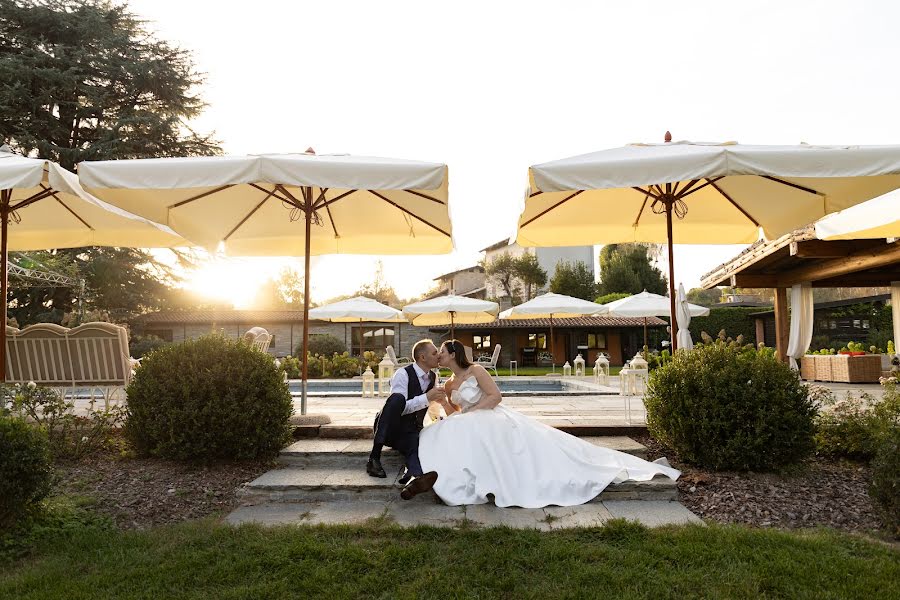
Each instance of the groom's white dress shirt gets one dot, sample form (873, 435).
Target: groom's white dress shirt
(400, 385)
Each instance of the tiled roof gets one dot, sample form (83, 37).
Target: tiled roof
(577, 322)
(222, 316)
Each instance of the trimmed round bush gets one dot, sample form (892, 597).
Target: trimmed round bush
(206, 399)
(323, 345)
(725, 407)
(25, 468)
(885, 488)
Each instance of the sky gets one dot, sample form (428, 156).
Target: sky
(491, 88)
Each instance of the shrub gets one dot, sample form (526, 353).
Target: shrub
(853, 427)
(723, 406)
(205, 399)
(885, 487)
(735, 320)
(324, 345)
(142, 345)
(25, 471)
(612, 297)
(69, 435)
(291, 365)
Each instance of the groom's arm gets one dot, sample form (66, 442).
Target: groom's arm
(400, 385)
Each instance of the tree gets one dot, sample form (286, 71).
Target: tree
(530, 273)
(379, 289)
(704, 297)
(573, 280)
(85, 80)
(284, 292)
(504, 270)
(628, 268)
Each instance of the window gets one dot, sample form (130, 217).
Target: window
(537, 340)
(163, 334)
(597, 341)
(375, 338)
(481, 342)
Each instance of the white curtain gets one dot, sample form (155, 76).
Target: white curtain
(801, 322)
(895, 310)
(683, 318)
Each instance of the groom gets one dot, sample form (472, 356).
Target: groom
(398, 424)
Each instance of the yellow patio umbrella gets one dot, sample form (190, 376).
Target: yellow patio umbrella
(451, 309)
(877, 218)
(286, 205)
(43, 207)
(719, 193)
(357, 309)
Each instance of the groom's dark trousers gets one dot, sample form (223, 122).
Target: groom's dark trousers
(399, 431)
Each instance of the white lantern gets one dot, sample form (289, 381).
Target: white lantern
(385, 372)
(579, 366)
(601, 370)
(567, 370)
(368, 383)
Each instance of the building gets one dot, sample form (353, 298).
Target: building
(468, 282)
(547, 258)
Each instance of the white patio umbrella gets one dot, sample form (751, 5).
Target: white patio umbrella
(451, 309)
(647, 305)
(287, 205)
(877, 218)
(720, 193)
(683, 313)
(552, 305)
(357, 309)
(43, 207)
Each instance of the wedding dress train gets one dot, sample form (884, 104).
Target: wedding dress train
(518, 460)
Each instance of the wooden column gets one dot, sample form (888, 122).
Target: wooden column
(760, 331)
(781, 323)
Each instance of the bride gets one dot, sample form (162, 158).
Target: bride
(484, 448)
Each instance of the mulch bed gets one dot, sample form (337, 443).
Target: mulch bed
(140, 493)
(818, 492)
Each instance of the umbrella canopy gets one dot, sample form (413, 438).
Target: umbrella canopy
(358, 309)
(553, 305)
(646, 305)
(44, 207)
(719, 193)
(877, 218)
(451, 309)
(286, 205)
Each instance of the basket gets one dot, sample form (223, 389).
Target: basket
(808, 367)
(855, 369)
(823, 367)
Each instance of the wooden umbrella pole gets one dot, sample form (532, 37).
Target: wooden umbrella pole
(452, 327)
(552, 349)
(645, 348)
(305, 357)
(669, 203)
(5, 196)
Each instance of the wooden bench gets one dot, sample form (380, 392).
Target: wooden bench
(93, 355)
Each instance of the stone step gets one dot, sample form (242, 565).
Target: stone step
(582, 429)
(329, 484)
(310, 452)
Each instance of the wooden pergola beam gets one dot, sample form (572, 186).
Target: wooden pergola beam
(823, 249)
(865, 279)
(782, 324)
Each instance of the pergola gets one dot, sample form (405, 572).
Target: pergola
(800, 257)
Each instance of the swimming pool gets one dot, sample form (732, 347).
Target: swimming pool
(517, 386)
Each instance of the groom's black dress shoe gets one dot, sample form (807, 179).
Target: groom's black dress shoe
(419, 485)
(374, 468)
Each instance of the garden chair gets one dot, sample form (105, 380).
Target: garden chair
(490, 363)
(259, 338)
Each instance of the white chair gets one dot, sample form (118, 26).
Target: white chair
(398, 362)
(490, 363)
(259, 338)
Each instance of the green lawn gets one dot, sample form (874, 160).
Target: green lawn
(208, 560)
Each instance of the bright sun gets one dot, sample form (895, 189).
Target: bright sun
(234, 280)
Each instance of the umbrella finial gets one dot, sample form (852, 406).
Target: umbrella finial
(310, 151)
(668, 137)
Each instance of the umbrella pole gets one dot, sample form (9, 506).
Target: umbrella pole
(305, 373)
(552, 354)
(452, 328)
(669, 202)
(5, 196)
(645, 348)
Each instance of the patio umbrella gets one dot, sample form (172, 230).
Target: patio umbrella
(43, 207)
(683, 313)
(553, 305)
(877, 218)
(286, 205)
(451, 309)
(720, 193)
(647, 305)
(358, 309)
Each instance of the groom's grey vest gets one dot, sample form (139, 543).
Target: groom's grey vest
(415, 421)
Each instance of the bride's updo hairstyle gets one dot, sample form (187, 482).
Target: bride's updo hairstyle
(456, 348)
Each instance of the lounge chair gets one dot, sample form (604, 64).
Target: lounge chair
(398, 362)
(490, 363)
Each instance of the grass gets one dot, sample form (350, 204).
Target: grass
(205, 559)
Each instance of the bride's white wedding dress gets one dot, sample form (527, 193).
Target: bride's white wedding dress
(518, 460)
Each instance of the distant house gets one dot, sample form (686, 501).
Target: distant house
(547, 258)
(468, 282)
